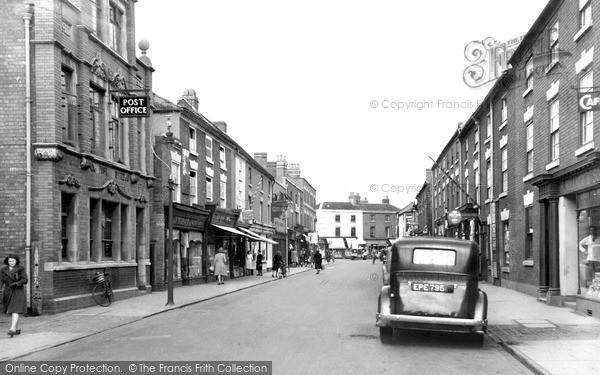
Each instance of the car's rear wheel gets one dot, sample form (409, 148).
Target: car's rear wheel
(478, 339)
(386, 334)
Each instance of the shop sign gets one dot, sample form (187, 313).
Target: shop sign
(183, 220)
(279, 225)
(224, 220)
(588, 199)
(589, 101)
(580, 182)
(133, 106)
(454, 217)
(248, 216)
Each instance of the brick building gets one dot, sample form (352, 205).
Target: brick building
(77, 177)
(527, 159)
(222, 196)
(301, 198)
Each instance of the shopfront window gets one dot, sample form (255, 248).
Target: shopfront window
(589, 251)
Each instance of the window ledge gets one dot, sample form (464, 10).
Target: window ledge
(551, 66)
(527, 92)
(194, 153)
(528, 263)
(503, 125)
(580, 33)
(528, 177)
(487, 140)
(552, 165)
(210, 160)
(502, 195)
(585, 148)
(65, 266)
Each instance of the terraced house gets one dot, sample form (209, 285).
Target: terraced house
(520, 176)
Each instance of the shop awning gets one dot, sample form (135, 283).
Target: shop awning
(230, 229)
(258, 236)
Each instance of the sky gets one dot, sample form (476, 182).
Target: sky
(359, 93)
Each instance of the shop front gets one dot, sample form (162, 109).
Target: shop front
(189, 244)
(569, 261)
(222, 233)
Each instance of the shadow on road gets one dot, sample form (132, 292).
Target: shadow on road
(435, 339)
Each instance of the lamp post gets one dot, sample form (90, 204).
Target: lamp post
(171, 187)
(287, 246)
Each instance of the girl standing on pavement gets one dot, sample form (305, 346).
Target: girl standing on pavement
(220, 266)
(12, 277)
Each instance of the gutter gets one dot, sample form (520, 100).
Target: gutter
(27, 15)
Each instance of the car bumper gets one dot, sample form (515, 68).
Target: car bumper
(430, 323)
(384, 318)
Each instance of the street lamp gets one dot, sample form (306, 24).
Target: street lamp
(171, 187)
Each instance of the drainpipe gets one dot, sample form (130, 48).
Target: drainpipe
(27, 15)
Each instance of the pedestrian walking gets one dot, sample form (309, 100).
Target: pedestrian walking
(249, 259)
(277, 260)
(259, 261)
(220, 264)
(318, 259)
(294, 253)
(12, 278)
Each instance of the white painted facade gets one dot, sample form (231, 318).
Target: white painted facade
(327, 224)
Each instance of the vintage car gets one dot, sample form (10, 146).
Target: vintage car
(431, 283)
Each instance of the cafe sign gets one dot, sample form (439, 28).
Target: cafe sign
(589, 101)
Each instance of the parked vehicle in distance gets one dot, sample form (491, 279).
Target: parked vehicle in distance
(432, 284)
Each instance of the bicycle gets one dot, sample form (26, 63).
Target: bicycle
(102, 291)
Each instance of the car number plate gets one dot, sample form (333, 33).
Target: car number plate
(431, 287)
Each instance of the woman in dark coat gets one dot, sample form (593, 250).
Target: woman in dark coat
(259, 260)
(277, 259)
(318, 261)
(12, 277)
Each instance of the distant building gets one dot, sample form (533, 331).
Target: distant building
(357, 223)
(407, 220)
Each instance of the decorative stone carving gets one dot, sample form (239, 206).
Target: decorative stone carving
(150, 184)
(142, 199)
(117, 80)
(70, 181)
(112, 187)
(85, 164)
(48, 153)
(134, 178)
(98, 68)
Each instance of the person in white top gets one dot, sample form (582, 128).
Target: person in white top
(590, 258)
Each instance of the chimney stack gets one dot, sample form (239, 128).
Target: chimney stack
(385, 200)
(189, 96)
(294, 170)
(221, 125)
(281, 168)
(261, 158)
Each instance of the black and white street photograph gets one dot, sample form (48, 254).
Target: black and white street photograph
(286, 187)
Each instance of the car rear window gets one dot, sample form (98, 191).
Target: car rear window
(436, 257)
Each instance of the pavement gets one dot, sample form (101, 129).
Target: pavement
(546, 339)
